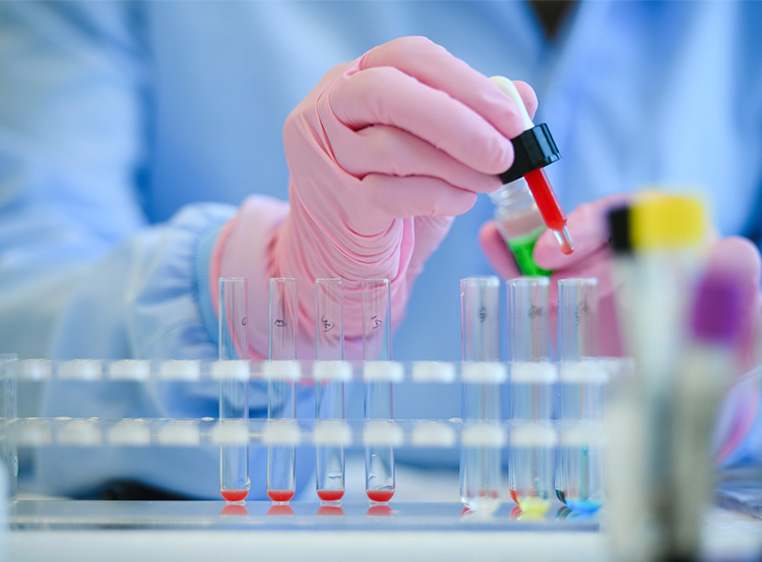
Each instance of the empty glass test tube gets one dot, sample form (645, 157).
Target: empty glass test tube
(532, 390)
(281, 396)
(582, 375)
(533, 376)
(376, 337)
(482, 374)
(582, 379)
(577, 318)
(234, 405)
(330, 373)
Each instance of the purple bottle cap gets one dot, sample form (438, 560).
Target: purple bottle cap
(717, 315)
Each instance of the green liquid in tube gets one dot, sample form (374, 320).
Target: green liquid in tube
(522, 248)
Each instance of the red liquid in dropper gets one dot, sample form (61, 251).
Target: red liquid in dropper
(280, 495)
(330, 495)
(379, 495)
(234, 495)
(547, 202)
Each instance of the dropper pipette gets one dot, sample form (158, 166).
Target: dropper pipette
(533, 150)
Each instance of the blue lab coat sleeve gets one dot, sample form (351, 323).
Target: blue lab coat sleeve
(82, 272)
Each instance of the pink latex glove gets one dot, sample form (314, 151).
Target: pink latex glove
(382, 154)
(739, 258)
(592, 258)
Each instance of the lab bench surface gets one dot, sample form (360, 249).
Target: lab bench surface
(68, 530)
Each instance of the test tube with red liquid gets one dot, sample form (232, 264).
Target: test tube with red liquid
(281, 395)
(233, 406)
(379, 459)
(533, 150)
(330, 373)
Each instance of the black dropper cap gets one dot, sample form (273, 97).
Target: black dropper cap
(532, 149)
(619, 230)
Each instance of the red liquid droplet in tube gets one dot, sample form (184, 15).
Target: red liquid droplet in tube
(550, 209)
(280, 495)
(379, 495)
(330, 495)
(514, 497)
(234, 495)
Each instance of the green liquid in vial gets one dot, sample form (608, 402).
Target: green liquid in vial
(522, 248)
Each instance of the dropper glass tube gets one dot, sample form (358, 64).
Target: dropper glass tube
(329, 384)
(533, 150)
(552, 213)
(480, 478)
(379, 459)
(532, 389)
(233, 346)
(281, 400)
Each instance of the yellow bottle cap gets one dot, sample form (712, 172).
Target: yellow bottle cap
(660, 221)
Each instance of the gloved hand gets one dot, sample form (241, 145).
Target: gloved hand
(382, 154)
(592, 258)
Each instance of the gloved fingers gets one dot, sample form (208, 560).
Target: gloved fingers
(388, 96)
(739, 258)
(399, 198)
(588, 230)
(597, 264)
(390, 151)
(497, 252)
(431, 64)
(527, 96)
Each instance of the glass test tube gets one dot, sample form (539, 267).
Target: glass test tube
(329, 392)
(532, 382)
(234, 405)
(281, 400)
(532, 389)
(581, 391)
(480, 479)
(376, 338)
(577, 318)
(9, 461)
